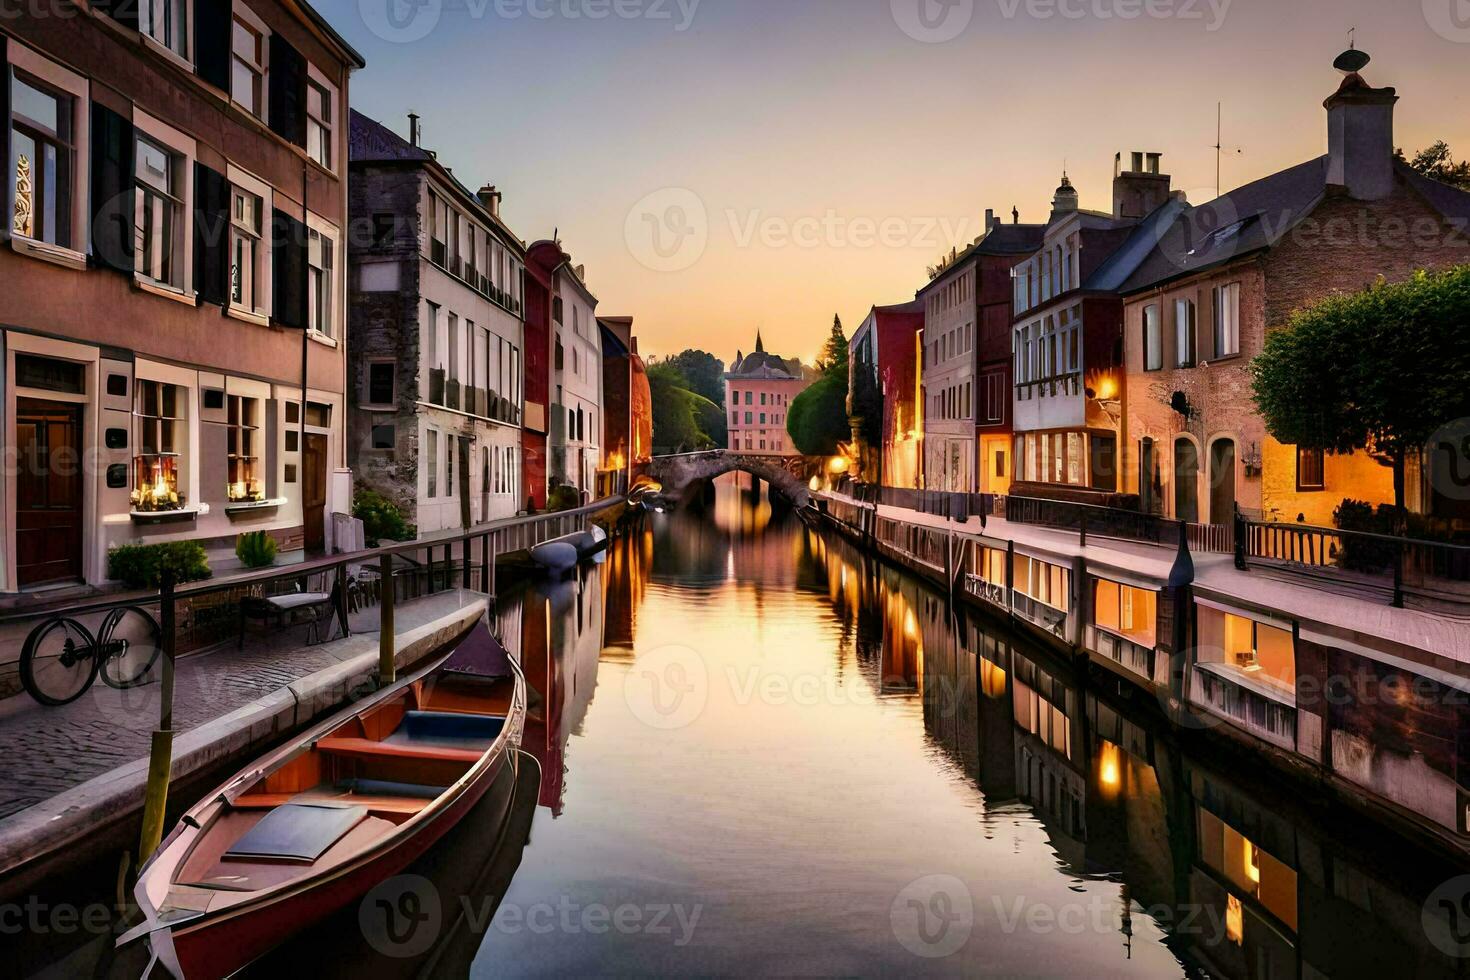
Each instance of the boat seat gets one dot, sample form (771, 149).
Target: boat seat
(366, 748)
(297, 832)
(446, 729)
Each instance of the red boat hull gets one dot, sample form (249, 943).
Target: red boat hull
(221, 947)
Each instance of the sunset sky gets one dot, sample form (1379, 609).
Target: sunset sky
(822, 156)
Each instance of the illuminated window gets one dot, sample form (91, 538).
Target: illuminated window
(1310, 466)
(1126, 611)
(162, 436)
(242, 448)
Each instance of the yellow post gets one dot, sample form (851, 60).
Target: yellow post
(387, 664)
(160, 754)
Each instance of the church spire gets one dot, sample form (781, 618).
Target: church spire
(760, 347)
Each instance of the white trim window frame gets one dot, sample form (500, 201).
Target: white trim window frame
(325, 298)
(1153, 338)
(248, 68)
(250, 287)
(163, 206)
(168, 26)
(1227, 320)
(322, 118)
(71, 91)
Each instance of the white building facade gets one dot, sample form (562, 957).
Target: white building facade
(575, 442)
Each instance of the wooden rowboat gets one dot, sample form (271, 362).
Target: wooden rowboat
(316, 824)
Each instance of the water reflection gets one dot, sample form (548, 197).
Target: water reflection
(763, 752)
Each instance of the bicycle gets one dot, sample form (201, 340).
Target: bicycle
(61, 660)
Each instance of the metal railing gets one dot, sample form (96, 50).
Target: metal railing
(1091, 519)
(1398, 565)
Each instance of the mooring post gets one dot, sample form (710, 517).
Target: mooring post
(387, 664)
(160, 753)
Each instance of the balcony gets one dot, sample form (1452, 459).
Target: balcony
(1259, 705)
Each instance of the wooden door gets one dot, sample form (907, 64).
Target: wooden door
(1186, 482)
(48, 492)
(314, 492)
(1222, 481)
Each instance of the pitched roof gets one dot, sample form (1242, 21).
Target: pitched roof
(372, 142)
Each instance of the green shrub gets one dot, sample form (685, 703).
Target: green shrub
(564, 497)
(141, 566)
(1371, 555)
(256, 549)
(381, 518)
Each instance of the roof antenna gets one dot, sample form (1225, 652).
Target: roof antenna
(1219, 143)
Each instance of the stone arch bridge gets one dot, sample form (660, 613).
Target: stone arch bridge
(787, 474)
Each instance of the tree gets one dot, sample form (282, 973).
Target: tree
(1381, 370)
(1436, 163)
(817, 419)
(704, 374)
(834, 354)
(674, 426)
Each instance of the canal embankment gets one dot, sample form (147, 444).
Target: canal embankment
(1333, 685)
(75, 775)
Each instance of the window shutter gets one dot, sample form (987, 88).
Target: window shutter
(211, 235)
(287, 91)
(112, 189)
(125, 12)
(212, 28)
(288, 262)
(7, 206)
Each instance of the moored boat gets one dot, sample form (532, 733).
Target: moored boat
(316, 824)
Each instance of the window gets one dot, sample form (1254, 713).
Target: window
(382, 383)
(167, 22)
(41, 162)
(162, 435)
(1127, 611)
(247, 279)
(159, 218)
(432, 460)
(319, 101)
(320, 263)
(1153, 339)
(384, 436)
(242, 459)
(1310, 464)
(1184, 317)
(449, 466)
(247, 68)
(1227, 320)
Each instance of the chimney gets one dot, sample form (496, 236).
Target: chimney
(1140, 189)
(581, 272)
(490, 199)
(413, 128)
(1360, 138)
(991, 221)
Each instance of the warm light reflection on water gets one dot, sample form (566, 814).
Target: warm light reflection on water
(767, 754)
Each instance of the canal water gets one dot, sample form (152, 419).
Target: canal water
(766, 753)
(751, 749)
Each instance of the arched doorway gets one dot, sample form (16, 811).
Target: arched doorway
(1222, 481)
(1186, 481)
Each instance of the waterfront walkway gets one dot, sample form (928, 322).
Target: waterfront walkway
(1441, 640)
(85, 763)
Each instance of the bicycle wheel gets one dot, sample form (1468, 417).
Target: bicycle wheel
(58, 662)
(129, 643)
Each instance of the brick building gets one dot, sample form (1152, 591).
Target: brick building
(627, 407)
(967, 368)
(1068, 342)
(173, 351)
(1199, 307)
(437, 337)
(886, 347)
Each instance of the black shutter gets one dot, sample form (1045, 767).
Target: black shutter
(125, 12)
(5, 203)
(112, 189)
(213, 26)
(287, 91)
(288, 262)
(211, 235)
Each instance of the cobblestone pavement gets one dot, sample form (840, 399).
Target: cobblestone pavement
(44, 751)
